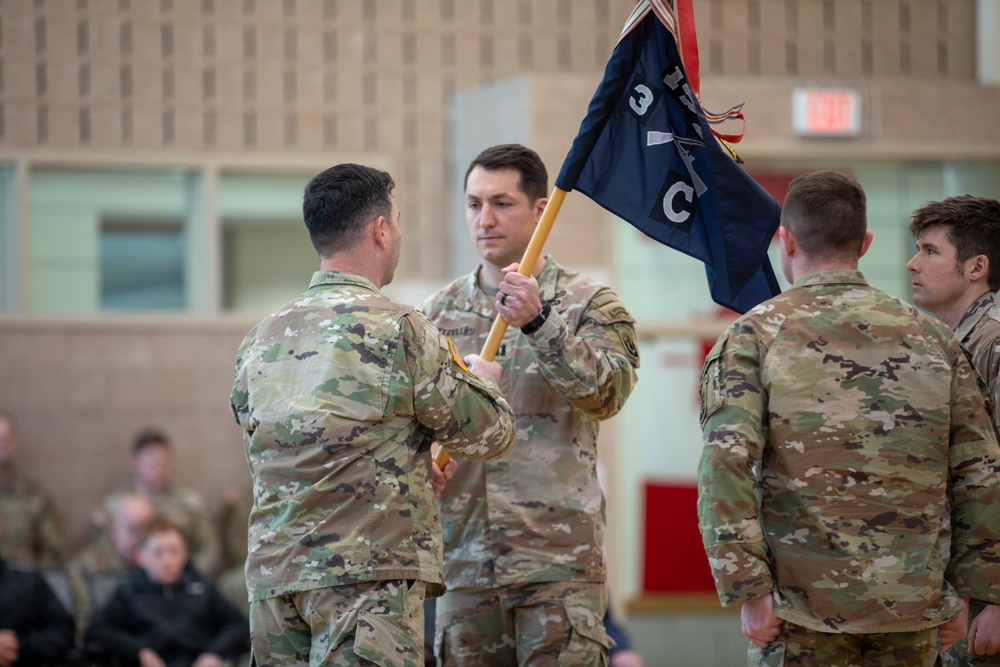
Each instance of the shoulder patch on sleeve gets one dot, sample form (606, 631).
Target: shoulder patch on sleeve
(713, 395)
(454, 355)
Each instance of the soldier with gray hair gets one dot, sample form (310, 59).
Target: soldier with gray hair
(340, 394)
(848, 488)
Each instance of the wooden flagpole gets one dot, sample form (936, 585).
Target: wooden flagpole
(531, 255)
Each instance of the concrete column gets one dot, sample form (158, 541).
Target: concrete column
(987, 50)
(203, 270)
(15, 290)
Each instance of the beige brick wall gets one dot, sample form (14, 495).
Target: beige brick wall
(81, 389)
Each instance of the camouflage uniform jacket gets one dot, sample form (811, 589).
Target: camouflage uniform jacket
(979, 332)
(538, 516)
(841, 425)
(31, 533)
(340, 394)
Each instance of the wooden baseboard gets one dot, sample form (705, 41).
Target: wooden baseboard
(678, 603)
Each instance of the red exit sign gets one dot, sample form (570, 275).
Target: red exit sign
(826, 112)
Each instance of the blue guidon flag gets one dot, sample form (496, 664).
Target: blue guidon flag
(646, 153)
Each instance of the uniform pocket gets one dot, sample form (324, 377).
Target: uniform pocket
(385, 644)
(588, 642)
(771, 656)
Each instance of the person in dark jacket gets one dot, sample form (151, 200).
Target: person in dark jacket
(166, 614)
(35, 628)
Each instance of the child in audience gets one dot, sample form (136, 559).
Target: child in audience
(166, 614)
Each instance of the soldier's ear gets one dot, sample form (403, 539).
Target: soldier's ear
(979, 268)
(380, 232)
(787, 241)
(867, 243)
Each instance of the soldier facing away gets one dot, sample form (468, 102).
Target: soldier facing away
(848, 489)
(340, 394)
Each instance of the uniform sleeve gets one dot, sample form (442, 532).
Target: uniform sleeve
(974, 463)
(239, 398)
(206, 546)
(467, 414)
(735, 431)
(48, 534)
(593, 367)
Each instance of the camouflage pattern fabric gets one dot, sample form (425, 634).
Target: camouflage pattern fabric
(340, 394)
(187, 509)
(538, 516)
(532, 624)
(97, 558)
(30, 531)
(840, 426)
(803, 647)
(374, 623)
(979, 332)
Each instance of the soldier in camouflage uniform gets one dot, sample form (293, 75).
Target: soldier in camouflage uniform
(524, 537)
(848, 494)
(104, 562)
(31, 534)
(341, 393)
(955, 274)
(152, 476)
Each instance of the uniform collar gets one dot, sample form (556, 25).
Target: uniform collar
(979, 307)
(330, 277)
(831, 277)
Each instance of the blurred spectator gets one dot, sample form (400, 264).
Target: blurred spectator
(622, 655)
(32, 534)
(233, 518)
(167, 614)
(104, 562)
(152, 469)
(35, 628)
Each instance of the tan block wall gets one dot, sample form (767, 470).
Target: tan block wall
(80, 390)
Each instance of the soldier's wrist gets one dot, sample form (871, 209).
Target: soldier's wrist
(536, 324)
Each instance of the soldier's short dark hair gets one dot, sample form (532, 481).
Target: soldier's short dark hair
(826, 211)
(534, 181)
(972, 224)
(163, 525)
(339, 202)
(149, 437)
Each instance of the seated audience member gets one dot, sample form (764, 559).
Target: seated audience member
(35, 628)
(233, 518)
(32, 533)
(109, 557)
(166, 614)
(152, 472)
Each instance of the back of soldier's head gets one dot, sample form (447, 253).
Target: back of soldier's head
(826, 212)
(339, 203)
(972, 224)
(534, 178)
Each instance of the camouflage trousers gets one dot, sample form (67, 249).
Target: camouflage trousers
(958, 655)
(534, 625)
(373, 623)
(803, 647)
